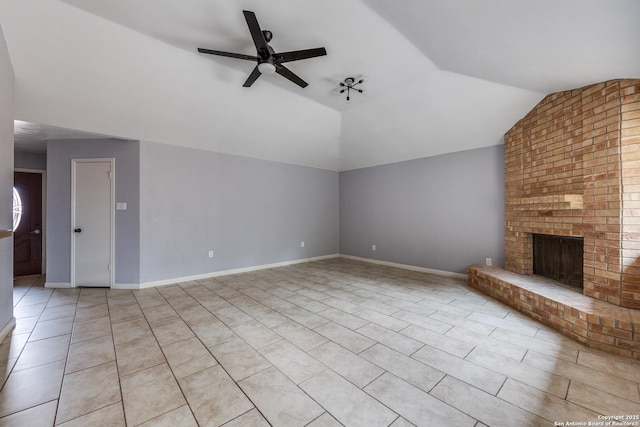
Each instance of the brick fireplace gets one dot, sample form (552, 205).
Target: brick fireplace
(572, 168)
(559, 258)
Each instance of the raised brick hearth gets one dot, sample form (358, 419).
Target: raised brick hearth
(590, 321)
(572, 168)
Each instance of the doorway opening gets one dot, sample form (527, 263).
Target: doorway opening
(28, 222)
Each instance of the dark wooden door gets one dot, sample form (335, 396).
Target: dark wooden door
(27, 238)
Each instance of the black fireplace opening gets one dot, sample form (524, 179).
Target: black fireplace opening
(559, 258)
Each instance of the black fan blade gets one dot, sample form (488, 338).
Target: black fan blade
(252, 77)
(297, 55)
(229, 54)
(256, 33)
(288, 74)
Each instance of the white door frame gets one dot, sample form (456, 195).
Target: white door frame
(43, 173)
(74, 162)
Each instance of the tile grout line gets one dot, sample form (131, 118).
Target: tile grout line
(165, 361)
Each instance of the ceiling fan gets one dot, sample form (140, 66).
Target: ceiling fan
(268, 61)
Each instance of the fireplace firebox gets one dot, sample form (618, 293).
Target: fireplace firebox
(559, 258)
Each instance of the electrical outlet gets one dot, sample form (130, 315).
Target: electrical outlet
(302, 244)
(373, 247)
(488, 261)
(210, 254)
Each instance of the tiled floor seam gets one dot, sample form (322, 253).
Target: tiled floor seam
(117, 365)
(168, 364)
(219, 364)
(65, 362)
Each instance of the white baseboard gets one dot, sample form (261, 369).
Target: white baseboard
(61, 285)
(407, 267)
(65, 285)
(125, 286)
(5, 331)
(232, 271)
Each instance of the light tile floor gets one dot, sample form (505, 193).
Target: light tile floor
(328, 343)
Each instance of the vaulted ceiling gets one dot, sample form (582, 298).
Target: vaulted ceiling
(444, 75)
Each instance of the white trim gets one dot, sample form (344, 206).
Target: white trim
(7, 328)
(59, 285)
(174, 280)
(233, 271)
(125, 286)
(112, 163)
(407, 267)
(43, 226)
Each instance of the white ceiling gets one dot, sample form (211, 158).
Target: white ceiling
(544, 45)
(444, 75)
(32, 137)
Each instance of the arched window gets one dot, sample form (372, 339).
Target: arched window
(17, 209)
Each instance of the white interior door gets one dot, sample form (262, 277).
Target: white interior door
(92, 222)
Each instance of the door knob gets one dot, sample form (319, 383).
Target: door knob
(36, 231)
(77, 230)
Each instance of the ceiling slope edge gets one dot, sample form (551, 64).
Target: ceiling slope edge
(173, 97)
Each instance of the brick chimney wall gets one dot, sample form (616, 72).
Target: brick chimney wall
(572, 168)
(630, 159)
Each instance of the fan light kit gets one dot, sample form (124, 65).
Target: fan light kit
(351, 84)
(268, 61)
(266, 68)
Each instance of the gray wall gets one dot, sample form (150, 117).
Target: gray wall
(6, 183)
(444, 212)
(249, 212)
(127, 188)
(28, 160)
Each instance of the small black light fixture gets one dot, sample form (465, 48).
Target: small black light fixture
(351, 84)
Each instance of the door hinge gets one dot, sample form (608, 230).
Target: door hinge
(108, 267)
(109, 174)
